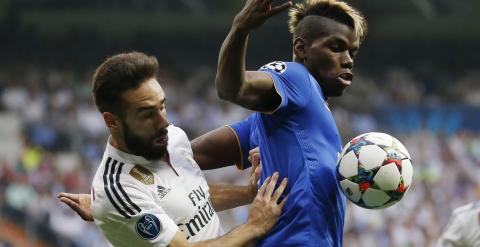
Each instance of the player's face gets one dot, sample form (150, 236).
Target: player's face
(145, 123)
(330, 57)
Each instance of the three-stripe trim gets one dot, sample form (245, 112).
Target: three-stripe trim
(111, 182)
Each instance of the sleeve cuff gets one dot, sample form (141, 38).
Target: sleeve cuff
(240, 165)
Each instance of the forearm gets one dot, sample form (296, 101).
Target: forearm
(231, 64)
(242, 235)
(225, 197)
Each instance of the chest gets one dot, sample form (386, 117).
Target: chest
(180, 189)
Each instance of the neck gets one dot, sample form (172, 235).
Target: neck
(297, 60)
(119, 144)
(300, 61)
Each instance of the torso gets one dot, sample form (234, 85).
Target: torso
(177, 188)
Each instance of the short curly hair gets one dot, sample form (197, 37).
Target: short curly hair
(333, 9)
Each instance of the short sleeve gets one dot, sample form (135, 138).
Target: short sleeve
(452, 234)
(135, 219)
(243, 131)
(292, 83)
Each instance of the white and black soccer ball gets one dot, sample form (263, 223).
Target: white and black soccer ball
(374, 170)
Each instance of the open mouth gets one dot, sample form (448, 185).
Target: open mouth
(346, 78)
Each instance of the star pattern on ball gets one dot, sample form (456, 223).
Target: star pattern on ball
(374, 170)
(276, 66)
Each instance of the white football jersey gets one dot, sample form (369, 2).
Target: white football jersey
(137, 202)
(463, 229)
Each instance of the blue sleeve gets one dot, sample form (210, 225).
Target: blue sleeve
(292, 82)
(245, 137)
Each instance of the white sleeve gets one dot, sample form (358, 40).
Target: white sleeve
(452, 234)
(132, 217)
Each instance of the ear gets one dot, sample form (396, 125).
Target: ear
(299, 46)
(111, 120)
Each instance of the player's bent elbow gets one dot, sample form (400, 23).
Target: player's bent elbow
(226, 95)
(222, 95)
(224, 91)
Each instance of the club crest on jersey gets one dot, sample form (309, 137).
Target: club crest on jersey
(276, 66)
(162, 191)
(148, 227)
(142, 174)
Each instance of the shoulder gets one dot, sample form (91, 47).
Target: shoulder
(178, 143)
(471, 207)
(292, 76)
(292, 83)
(117, 189)
(275, 66)
(176, 132)
(286, 69)
(176, 136)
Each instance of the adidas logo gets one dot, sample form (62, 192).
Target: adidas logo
(162, 191)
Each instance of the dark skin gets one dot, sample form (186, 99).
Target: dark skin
(327, 51)
(330, 56)
(215, 149)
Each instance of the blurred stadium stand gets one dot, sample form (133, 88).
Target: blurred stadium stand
(417, 77)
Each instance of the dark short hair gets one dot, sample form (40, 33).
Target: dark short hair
(120, 73)
(333, 9)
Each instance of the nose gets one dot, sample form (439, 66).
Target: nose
(347, 61)
(162, 118)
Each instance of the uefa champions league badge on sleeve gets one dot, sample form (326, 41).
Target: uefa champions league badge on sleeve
(276, 66)
(148, 227)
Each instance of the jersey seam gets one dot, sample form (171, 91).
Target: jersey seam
(309, 181)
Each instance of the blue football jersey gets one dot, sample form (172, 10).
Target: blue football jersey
(301, 141)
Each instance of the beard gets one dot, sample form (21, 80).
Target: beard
(144, 147)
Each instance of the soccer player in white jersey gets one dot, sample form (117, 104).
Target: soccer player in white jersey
(148, 189)
(463, 229)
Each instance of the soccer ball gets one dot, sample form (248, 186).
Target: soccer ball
(374, 170)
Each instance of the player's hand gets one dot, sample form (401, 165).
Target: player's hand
(254, 158)
(266, 207)
(256, 12)
(80, 203)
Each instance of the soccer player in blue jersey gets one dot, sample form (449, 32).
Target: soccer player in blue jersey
(293, 125)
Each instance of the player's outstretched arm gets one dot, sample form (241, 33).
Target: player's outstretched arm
(263, 215)
(251, 89)
(225, 197)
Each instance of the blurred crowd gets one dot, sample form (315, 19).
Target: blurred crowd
(61, 138)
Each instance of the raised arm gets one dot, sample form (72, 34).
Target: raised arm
(253, 90)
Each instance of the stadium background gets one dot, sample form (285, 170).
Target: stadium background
(417, 77)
